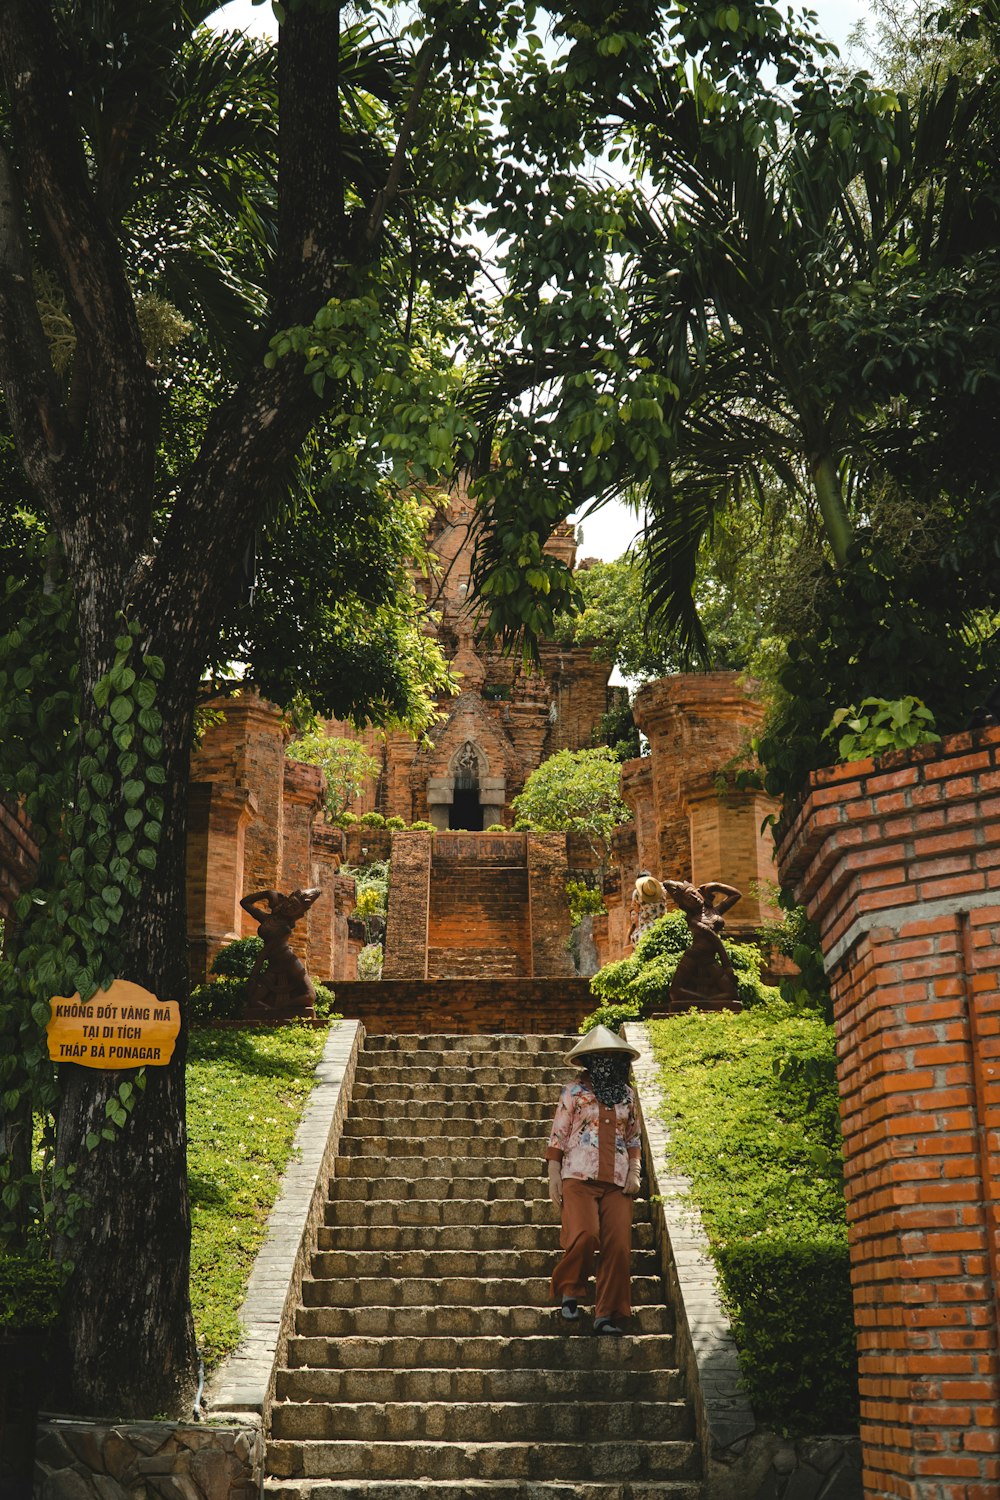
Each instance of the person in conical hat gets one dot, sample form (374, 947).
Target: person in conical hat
(593, 1165)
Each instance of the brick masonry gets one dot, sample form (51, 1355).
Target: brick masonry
(899, 862)
(691, 821)
(462, 1006)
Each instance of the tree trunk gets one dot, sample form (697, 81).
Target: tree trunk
(831, 504)
(130, 1333)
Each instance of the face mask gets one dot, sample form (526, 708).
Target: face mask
(609, 1074)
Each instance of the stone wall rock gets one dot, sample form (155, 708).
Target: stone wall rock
(80, 1460)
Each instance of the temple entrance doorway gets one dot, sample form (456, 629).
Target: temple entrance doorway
(466, 810)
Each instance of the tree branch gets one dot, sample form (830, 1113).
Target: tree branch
(84, 251)
(29, 383)
(387, 193)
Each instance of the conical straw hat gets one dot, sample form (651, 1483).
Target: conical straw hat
(601, 1040)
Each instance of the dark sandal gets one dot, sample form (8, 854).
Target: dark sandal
(570, 1311)
(607, 1326)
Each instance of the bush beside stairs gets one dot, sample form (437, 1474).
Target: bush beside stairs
(426, 1355)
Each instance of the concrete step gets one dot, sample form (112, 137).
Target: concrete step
(479, 1421)
(542, 1096)
(519, 1319)
(441, 1460)
(498, 1055)
(431, 1128)
(437, 1212)
(469, 1188)
(450, 1291)
(480, 1238)
(455, 1073)
(495, 1148)
(433, 1265)
(537, 1384)
(475, 1042)
(430, 1212)
(521, 1163)
(430, 1112)
(480, 1489)
(322, 1345)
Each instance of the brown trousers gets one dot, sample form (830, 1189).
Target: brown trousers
(596, 1217)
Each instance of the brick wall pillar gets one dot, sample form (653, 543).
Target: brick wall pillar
(219, 814)
(900, 864)
(325, 850)
(548, 912)
(302, 800)
(409, 900)
(255, 733)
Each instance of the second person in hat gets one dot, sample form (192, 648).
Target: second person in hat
(593, 1164)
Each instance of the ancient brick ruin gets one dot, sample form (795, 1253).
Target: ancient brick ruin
(464, 904)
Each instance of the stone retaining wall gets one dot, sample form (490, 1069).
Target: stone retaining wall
(80, 1460)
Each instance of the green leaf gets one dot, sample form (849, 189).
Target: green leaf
(121, 709)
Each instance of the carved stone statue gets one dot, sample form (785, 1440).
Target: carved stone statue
(283, 988)
(704, 978)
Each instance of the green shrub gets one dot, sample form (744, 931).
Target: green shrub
(496, 828)
(325, 1002)
(611, 984)
(523, 825)
(395, 822)
(236, 960)
(612, 1016)
(29, 1293)
(668, 934)
(754, 1123)
(788, 1299)
(372, 820)
(422, 827)
(370, 962)
(345, 820)
(583, 900)
(221, 999)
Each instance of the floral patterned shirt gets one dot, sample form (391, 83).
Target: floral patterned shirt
(594, 1142)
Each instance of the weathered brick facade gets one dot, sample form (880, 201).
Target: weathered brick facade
(476, 1006)
(477, 906)
(690, 820)
(507, 718)
(252, 827)
(899, 862)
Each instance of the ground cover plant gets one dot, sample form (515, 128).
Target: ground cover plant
(245, 1094)
(751, 1103)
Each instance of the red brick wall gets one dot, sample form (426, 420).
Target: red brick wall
(549, 912)
(900, 865)
(548, 1006)
(478, 923)
(696, 723)
(409, 893)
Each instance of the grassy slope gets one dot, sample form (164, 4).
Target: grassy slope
(246, 1092)
(762, 1149)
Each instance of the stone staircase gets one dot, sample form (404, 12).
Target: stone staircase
(426, 1354)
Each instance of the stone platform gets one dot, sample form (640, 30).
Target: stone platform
(463, 1006)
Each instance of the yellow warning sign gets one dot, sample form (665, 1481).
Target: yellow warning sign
(120, 1027)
